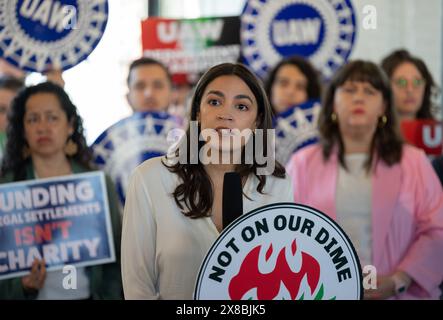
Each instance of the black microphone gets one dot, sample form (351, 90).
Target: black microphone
(232, 206)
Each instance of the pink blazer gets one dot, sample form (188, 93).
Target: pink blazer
(407, 212)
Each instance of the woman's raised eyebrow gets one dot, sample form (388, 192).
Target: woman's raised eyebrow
(217, 93)
(221, 95)
(244, 96)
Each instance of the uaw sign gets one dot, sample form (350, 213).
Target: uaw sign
(296, 128)
(129, 142)
(323, 31)
(281, 251)
(426, 134)
(191, 46)
(38, 35)
(64, 220)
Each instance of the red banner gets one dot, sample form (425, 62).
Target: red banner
(191, 46)
(424, 134)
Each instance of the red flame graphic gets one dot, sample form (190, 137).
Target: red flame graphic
(268, 285)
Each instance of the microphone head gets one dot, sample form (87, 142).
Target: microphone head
(232, 206)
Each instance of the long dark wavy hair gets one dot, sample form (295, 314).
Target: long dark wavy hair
(387, 142)
(395, 59)
(313, 88)
(194, 195)
(14, 160)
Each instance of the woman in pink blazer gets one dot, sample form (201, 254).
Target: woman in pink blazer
(383, 193)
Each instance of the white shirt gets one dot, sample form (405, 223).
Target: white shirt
(354, 204)
(162, 249)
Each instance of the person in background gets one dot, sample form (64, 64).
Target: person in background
(45, 139)
(149, 85)
(181, 97)
(173, 212)
(412, 85)
(383, 192)
(9, 86)
(414, 91)
(291, 82)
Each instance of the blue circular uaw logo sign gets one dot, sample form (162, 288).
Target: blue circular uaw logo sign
(283, 251)
(37, 35)
(129, 142)
(296, 128)
(323, 31)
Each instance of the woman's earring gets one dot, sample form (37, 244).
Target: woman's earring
(71, 148)
(334, 117)
(383, 121)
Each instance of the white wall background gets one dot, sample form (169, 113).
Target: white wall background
(412, 24)
(98, 85)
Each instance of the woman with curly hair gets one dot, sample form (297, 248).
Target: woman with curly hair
(45, 139)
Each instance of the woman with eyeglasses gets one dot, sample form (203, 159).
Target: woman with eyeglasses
(412, 85)
(382, 192)
(413, 88)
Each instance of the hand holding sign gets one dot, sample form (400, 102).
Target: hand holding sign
(63, 220)
(55, 76)
(36, 279)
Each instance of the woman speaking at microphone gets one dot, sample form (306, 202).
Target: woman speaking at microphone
(383, 192)
(44, 140)
(173, 212)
